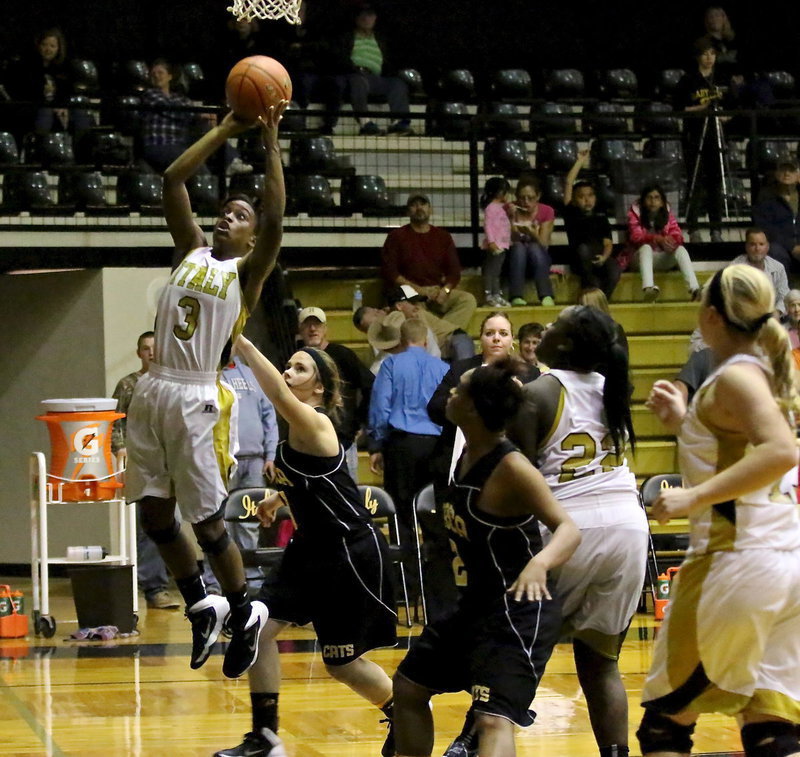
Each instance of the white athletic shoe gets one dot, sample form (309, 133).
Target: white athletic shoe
(206, 617)
(243, 646)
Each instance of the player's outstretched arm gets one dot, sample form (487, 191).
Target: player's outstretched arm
(185, 232)
(258, 264)
(302, 418)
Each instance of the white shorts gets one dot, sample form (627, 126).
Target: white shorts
(731, 637)
(181, 439)
(601, 584)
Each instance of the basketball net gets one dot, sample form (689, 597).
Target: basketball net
(248, 10)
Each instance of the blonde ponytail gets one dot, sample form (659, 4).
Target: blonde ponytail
(773, 339)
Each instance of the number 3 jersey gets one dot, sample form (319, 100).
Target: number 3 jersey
(200, 311)
(580, 462)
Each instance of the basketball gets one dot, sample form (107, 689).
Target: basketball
(256, 83)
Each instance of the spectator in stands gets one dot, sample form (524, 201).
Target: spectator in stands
(497, 238)
(496, 340)
(368, 321)
(694, 372)
(356, 381)
(720, 34)
(311, 60)
(529, 336)
(594, 298)
(255, 461)
(791, 322)
(401, 437)
(424, 256)
(777, 212)
(151, 572)
(41, 79)
(589, 233)
(655, 241)
(167, 129)
(455, 344)
(365, 60)
(698, 92)
(383, 335)
(756, 248)
(531, 226)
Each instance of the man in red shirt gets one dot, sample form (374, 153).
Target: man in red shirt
(425, 257)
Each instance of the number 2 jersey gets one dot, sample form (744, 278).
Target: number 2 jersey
(579, 461)
(199, 312)
(489, 551)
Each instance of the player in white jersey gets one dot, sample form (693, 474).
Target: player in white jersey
(730, 642)
(182, 418)
(575, 426)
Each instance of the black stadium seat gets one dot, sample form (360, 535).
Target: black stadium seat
(194, 80)
(652, 118)
(84, 76)
(617, 84)
(457, 84)
(511, 83)
(562, 83)
(546, 119)
(134, 77)
(309, 193)
(26, 191)
(666, 82)
(140, 191)
(52, 150)
(606, 118)
(501, 120)
(505, 156)
(556, 154)
(763, 155)
(663, 148)
(782, 83)
(364, 194)
(450, 120)
(605, 150)
(250, 184)
(85, 190)
(9, 152)
(203, 191)
(413, 80)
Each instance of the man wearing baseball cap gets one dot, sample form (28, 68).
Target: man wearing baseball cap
(356, 380)
(424, 256)
(454, 342)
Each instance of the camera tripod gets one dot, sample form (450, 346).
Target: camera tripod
(713, 123)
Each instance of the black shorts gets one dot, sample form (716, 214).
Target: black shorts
(497, 654)
(343, 588)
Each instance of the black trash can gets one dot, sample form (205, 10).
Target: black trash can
(104, 596)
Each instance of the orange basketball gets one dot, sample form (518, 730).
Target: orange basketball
(256, 83)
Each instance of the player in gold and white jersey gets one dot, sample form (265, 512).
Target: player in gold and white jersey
(730, 642)
(575, 426)
(182, 418)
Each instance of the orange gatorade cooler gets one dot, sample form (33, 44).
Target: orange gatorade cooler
(81, 463)
(13, 625)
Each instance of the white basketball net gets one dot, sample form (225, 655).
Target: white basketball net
(266, 9)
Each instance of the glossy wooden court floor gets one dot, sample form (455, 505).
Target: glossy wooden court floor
(138, 697)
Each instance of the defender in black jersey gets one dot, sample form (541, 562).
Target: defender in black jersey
(335, 573)
(499, 639)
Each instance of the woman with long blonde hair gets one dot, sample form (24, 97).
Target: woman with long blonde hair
(731, 640)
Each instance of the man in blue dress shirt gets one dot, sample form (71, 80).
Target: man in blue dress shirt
(401, 436)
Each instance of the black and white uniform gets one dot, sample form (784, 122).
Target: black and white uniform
(491, 646)
(335, 572)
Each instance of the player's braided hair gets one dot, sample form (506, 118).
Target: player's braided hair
(496, 392)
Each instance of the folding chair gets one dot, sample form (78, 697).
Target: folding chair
(648, 493)
(425, 506)
(240, 507)
(383, 510)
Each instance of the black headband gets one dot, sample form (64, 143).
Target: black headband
(716, 299)
(325, 375)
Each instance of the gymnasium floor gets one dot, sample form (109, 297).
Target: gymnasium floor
(138, 697)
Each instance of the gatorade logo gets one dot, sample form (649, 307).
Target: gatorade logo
(86, 440)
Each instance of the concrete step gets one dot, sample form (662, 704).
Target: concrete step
(320, 289)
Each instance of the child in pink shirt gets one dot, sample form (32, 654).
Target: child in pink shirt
(497, 230)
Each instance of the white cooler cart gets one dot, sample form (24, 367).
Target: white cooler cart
(49, 489)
